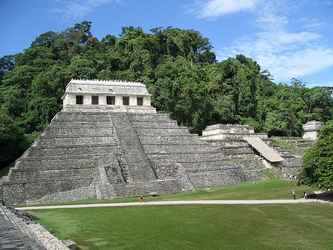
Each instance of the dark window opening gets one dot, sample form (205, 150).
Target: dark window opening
(110, 100)
(125, 100)
(140, 101)
(94, 100)
(79, 99)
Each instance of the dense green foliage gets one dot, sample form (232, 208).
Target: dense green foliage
(179, 68)
(13, 141)
(318, 161)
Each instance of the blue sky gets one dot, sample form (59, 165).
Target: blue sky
(290, 38)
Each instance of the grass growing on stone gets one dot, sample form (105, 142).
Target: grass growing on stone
(302, 226)
(288, 145)
(270, 189)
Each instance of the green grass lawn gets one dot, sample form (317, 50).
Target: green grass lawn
(306, 226)
(270, 189)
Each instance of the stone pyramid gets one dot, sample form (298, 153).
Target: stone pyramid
(112, 150)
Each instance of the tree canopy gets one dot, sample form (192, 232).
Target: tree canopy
(177, 65)
(318, 161)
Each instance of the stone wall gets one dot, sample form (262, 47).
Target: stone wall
(34, 232)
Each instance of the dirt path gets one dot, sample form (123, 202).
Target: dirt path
(175, 203)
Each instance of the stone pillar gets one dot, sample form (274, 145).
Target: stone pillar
(146, 101)
(311, 130)
(132, 100)
(102, 100)
(86, 99)
(119, 100)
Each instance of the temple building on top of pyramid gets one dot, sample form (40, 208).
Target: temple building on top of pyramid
(99, 95)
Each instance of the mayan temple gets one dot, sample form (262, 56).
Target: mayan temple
(108, 141)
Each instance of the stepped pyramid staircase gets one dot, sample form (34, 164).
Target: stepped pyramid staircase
(107, 154)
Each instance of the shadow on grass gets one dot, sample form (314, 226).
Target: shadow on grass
(325, 196)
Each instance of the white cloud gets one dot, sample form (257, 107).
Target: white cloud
(311, 23)
(284, 53)
(76, 9)
(299, 63)
(215, 8)
(323, 84)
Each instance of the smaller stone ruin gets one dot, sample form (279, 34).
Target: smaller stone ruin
(229, 131)
(258, 146)
(311, 130)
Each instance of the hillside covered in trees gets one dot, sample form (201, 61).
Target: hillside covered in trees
(179, 68)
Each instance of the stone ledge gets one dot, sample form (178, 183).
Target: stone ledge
(37, 233)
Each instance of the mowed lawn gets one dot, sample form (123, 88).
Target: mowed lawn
(301, 226)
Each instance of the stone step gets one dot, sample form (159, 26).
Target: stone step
(66, 157)
(229, 144)
(150, 117)
(29, 164)
(192, 157)
(212, 169)
(77, 125)
(61, 123)
(155, 124)
(86, 180)
(36, 190)
(174, 148)
(219, 177)
(96, 119)
(72, 150)
(139, 167)
(162, 132)
(72, 141)
(146, 188)
(220, 164)
(65, 147)
(236, 150)
(64, 174)
(199, 148)
(86, 116)
(168, 139)
(71, 131)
